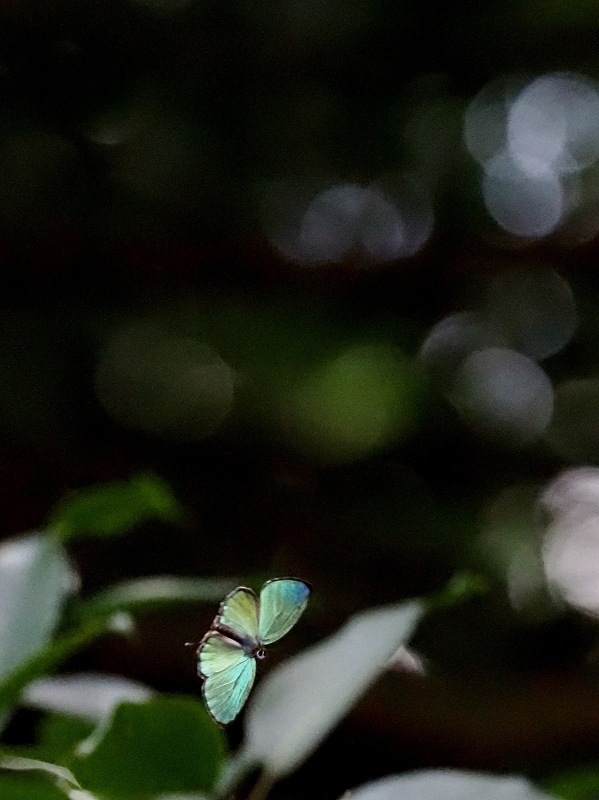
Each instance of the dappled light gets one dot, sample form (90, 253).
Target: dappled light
(532, 139)
(454, 338)
(504, 393)
(485, 118)
(299, 294)
(571, 548)
(523, 204)
(485, 360)
(177, 387)
(358, 403)
(553, 124)
(529, 310)
(533, 310)
(367, 225)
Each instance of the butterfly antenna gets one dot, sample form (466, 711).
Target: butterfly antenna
(192, 644)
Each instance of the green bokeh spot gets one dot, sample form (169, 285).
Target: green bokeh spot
(358, 403)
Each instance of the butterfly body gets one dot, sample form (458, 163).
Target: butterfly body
(251, 647)
(244, 625)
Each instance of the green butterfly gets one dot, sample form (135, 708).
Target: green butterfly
(244, 625)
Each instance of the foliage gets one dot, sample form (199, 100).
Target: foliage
(106, 737)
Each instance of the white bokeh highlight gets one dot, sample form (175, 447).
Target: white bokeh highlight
(505, 394)
(571, 547)
(454, 338)
(523, 204)
(346, 221)
(532, 141)
(553, 125)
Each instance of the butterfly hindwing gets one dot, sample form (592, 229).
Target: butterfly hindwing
(228, 673)
(282, 602)
(239, 612)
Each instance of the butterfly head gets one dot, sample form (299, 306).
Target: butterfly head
(259, 652)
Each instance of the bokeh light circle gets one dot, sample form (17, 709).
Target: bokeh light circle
(571, 546)
(525, 205)
(533, 140)
(174, 386)
(553, 125)
(367, 225)
(454, 338)
(534, 310)
(355, 404)
(485, 118)
(504, 394)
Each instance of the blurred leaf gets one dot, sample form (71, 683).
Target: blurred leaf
(62, 777)
(444, 784)
(87, 695)
(179, 796)
(35, 577)
(299, 702)
(115, 508)
(576, 784)
(146, 594)
(57, 735)
(460, 588)
(166, 745)
(13, 787)
(50, 657)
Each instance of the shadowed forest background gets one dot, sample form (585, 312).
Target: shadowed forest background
(329, 271)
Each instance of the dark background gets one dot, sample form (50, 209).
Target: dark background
(134, 139)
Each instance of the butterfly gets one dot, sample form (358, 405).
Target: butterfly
(244, 625)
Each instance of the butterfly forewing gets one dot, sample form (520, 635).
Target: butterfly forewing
(239, 612)
(228, 674)
(282, 602)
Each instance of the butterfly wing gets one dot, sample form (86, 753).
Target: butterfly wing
(239, 613)
(282, 602)
(228, 674)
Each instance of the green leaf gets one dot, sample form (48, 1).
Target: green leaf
(17, 787)
(61, 776)
(49, 657)
(300, 701)
(35, 577)
(147, 594)
(58, 735)
(115, 508)
(86, 695)
(445, 784)
(179, 796)
(581, 783)
(166, 745)
(461, 587)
